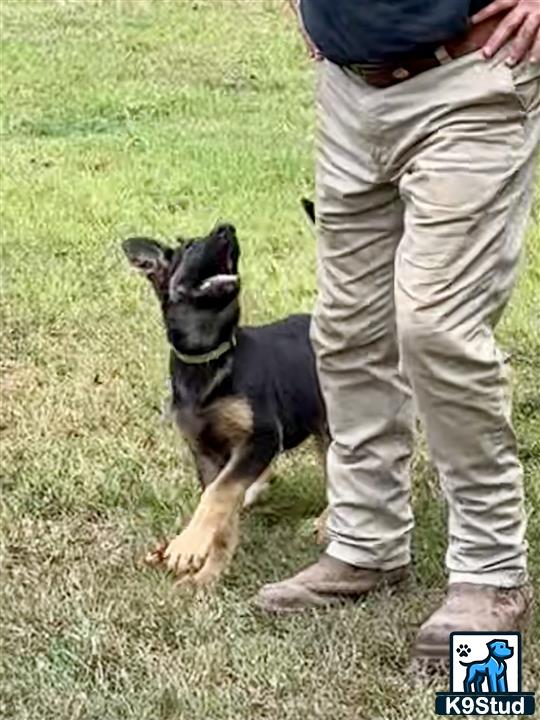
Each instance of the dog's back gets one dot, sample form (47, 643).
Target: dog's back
(274, 366)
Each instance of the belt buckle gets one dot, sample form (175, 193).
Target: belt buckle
(366, 72)
(401, 73)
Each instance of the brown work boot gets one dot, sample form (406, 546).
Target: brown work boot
(471, 607)
(326, 582)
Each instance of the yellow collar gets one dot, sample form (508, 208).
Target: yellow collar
(206, 357)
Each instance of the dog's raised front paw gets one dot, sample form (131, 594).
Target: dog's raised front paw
(155, 557)
(200, 553)
(187, 552)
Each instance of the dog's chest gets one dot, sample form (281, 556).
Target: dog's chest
(189, 420)
(222, 424)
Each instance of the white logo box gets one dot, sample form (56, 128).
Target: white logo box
(473, 647)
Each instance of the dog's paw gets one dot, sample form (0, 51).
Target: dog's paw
(463, 650)
(155, 557)
(187, 552)
(202, 552)
(199, 557)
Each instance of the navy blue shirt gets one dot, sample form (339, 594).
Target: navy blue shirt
(374, 31)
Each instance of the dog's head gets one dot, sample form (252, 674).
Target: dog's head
(197, 284)
(499, 649)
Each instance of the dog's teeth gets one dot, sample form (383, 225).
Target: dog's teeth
(217, 279)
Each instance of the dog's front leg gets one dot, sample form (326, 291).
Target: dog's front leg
(201, 552)
(207, 468)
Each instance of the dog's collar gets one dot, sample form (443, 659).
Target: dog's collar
(206, 357)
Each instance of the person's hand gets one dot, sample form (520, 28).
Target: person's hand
(313, 51)
(521, 24)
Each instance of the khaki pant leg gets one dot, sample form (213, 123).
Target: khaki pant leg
(359, 219)
(467, 191)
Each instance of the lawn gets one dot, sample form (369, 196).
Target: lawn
(139, 116)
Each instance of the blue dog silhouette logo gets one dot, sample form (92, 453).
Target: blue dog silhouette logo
(485, 676)
(492, 670)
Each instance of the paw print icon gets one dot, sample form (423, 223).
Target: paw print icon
(463, 650)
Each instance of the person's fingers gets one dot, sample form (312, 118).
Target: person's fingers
(312, 50)
(493, 9)
(524, 40)
(505, 30)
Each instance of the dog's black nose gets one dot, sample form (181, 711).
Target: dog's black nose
(226, 231)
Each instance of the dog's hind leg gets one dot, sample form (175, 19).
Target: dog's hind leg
(320, 527)
(322, 442)
(259, 488)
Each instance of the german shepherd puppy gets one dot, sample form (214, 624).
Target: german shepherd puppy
(240, 395)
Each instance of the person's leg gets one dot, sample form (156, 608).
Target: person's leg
(467, 195)
(359, 223)
(369, 405)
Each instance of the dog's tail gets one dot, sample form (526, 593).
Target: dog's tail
(309, 208)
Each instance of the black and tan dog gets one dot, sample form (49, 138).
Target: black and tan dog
(240, 395)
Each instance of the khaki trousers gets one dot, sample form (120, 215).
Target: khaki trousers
(423, 193)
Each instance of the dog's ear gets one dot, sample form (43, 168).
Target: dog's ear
(309, 209)
(149, 257)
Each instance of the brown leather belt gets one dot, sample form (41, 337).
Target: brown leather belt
(385, 75)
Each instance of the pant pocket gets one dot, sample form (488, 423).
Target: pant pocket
(525, 80)
(521, 83)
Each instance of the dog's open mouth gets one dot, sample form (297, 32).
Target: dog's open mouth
(209, 262)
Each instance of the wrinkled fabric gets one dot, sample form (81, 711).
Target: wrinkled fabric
(423, 194)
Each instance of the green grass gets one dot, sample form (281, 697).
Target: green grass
(161, 117)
